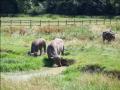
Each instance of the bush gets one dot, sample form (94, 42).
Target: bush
(36, 10)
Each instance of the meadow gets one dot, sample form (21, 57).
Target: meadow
(97, 64)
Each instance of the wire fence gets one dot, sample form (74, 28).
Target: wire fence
(31, 23)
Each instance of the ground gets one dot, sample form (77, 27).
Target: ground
(26, 75)
(97, 64)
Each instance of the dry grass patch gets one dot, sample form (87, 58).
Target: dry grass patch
(48, 29)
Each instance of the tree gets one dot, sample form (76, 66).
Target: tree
(8, 7)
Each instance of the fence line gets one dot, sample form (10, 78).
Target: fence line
(0, 23)
(31, 23)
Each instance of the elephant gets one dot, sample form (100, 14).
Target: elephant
(55, 49)
(37, 45)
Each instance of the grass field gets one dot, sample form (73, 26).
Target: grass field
(83, 44)
(55, 16)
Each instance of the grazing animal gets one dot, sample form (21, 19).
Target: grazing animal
(37, 45)
(108, 35)
(55, 49)
(22, 32)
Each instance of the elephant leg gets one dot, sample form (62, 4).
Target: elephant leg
(44, 48)
(63, 51)
(36, 51)
(40, 51)
(32, 48)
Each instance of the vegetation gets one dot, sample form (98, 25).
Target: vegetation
(66, 7)
(84, 81)
(82, 43)
(87, 49)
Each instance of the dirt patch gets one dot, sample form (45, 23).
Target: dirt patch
(67, 62)
(113, 73)
(100, 69)
(5, 50)
(93, 69)
(26, 75)
(8, 51)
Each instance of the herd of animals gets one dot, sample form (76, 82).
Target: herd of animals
(56, 48)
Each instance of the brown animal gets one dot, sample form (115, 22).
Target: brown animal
(55, 49)
(108, 35)
(37, 45)
(22, 32)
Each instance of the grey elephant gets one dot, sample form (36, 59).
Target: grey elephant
(55, 49)
(37, 46)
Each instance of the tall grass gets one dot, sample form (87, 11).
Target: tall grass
(84, 81)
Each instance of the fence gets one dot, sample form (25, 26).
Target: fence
(31, 23)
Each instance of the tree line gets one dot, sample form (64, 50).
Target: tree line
(65, 7)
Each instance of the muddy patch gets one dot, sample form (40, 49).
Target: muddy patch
(99, 69)
(92, 69)
(8, 51)
(113, 73)
(64, 62)
(67, 62)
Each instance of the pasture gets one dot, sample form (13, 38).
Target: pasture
(97, 64)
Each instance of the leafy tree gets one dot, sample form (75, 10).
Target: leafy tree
(68, 7)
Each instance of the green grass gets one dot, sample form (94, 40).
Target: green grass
(83, 44)
(83, 81)
(55, 16)
(14, 55)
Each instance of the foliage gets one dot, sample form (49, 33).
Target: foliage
(68, 7)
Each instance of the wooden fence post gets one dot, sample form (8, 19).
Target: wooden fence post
(40, 23)
(82, 24)
(90, 21)
(0, 24)
(96, 21)
(104, 21)
(20, 22)
(74, 21)
(116, 24)
(11, 23)
(66, 22)
(58, 22)
(58, 26)
(48, 22)
(30, 23)
(110, 21)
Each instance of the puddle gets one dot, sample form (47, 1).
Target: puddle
(67, 62)
(93, 69)
(100, 69)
